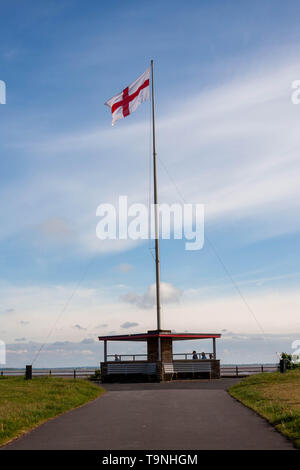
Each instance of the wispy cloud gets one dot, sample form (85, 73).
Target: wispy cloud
(125, 267)
(9, 310)
(232, 348)
(56, 228)
(212, 310)
(232, 147)
(79, 327)
(169, 294)
(129, 324)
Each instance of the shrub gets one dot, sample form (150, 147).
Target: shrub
(96, 375)
(289, 361)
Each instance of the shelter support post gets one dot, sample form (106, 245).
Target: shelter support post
(105, 351)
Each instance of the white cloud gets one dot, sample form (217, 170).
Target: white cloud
(276, 312)
(129, 324)
(125, 267)
(79, 327)
(56, 228)
(198, 310)
(87, 341)
(231, 348)
(232, 147)
(169, 294)
(87, 352)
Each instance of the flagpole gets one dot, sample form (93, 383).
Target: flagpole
(157, 265)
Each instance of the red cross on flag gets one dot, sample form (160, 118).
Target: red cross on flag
(131, 97)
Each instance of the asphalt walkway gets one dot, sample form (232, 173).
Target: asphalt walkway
(177, 415)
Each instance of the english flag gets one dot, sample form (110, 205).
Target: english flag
(131, 97)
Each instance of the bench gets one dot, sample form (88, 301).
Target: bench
(187, 367)
(148, 368)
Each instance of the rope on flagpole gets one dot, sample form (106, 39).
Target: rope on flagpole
(63, 310)
(217, 255)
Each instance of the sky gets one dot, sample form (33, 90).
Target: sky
(227, 137)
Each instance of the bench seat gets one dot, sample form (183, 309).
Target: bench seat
(133, 368)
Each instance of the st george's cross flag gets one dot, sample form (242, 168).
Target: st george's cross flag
(131, 97)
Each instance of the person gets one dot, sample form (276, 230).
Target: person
(203, 356)
(211, 356)
(195, 355)
(117, 357)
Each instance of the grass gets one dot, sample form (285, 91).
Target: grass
(276, 397)
(24, 404)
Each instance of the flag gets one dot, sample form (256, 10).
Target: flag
(131, 97)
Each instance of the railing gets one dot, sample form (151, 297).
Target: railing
(226, 371)
(187, 355)
(243, 371)
(120, 356)
(72, 373)
(133, 357)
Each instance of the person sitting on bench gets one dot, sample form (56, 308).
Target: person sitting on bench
(203, 356)
(195, 355)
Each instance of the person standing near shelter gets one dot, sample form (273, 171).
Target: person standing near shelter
(195, 355)
(203, 356)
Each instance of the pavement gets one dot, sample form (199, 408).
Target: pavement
(198, 415)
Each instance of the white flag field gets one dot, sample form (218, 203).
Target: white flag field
(130, 98)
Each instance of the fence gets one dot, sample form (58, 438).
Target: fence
(226, 371)
(244, 371)
(72, 373)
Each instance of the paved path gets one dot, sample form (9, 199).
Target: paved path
(177, 415)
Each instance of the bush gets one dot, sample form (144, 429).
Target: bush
(289, 361)
(96, 375)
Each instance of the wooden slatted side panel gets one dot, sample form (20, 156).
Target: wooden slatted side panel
(168, 369)
(171, 368)
(147, 368)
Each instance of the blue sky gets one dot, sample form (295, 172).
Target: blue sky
(227, 132)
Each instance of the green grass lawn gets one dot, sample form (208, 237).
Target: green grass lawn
(276, 397)
(26, 403)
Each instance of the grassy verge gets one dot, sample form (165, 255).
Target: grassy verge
(276, 397)
(26, 403)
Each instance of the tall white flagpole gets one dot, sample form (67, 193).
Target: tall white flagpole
(157, 265)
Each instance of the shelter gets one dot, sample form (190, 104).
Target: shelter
(160, 363)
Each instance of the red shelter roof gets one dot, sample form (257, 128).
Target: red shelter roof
(161, 334)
